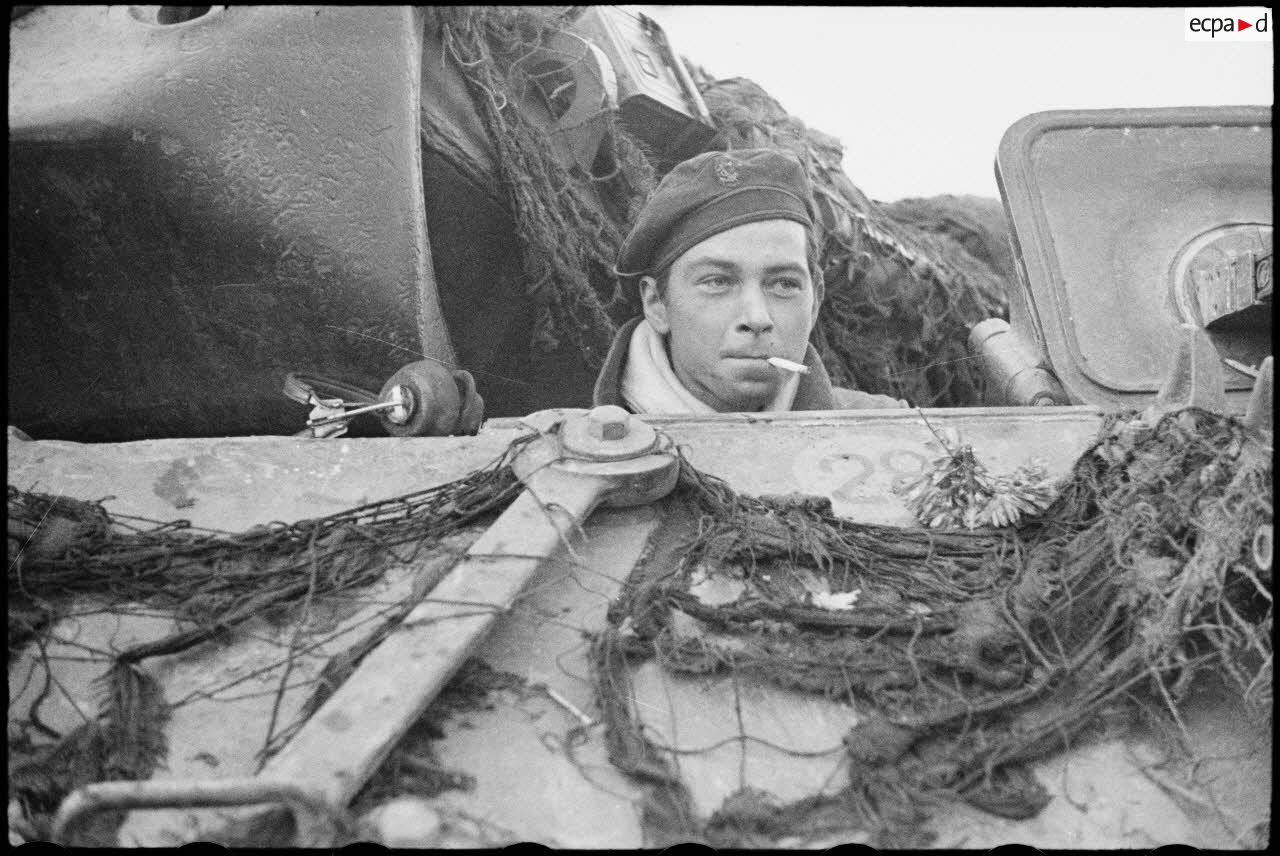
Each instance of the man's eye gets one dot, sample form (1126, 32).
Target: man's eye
(716, 283)
(786, 285)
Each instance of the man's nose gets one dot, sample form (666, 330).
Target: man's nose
(753, 312)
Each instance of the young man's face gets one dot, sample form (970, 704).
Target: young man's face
(733, 300)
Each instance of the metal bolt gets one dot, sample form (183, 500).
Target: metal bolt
(608, 422)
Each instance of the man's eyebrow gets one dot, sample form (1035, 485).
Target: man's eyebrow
(787, 267)
(729, 265)
(712, 261)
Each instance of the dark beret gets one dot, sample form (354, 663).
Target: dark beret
(708, 194)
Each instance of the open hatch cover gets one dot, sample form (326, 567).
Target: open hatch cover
(1128, 223)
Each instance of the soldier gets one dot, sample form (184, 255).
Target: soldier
(726, 255)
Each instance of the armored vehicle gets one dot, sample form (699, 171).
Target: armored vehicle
(248, 242)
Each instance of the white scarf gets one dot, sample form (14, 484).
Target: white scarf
(649, 385)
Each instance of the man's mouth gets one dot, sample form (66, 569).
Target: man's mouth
(750, 367)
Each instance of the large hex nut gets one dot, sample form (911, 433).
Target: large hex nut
(608, 422)
(607, 433)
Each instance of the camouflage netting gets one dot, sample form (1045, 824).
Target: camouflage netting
(964, 655)
(900, 295)
(569, 222)
(63, 551)
(979, 225)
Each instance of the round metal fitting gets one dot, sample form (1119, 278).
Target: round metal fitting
(1223, 271)
(402, 397)
(607, 433)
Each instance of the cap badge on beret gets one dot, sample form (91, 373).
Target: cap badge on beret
(726, 172)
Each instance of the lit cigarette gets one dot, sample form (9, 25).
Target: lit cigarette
(779, 362)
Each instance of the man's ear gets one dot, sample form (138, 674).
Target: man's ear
(655, 310)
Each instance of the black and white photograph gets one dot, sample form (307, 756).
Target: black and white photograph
(624, 427)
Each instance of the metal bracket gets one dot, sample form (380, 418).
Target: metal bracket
(314, 819)
(1259, 414)
(1195, 380)
(594, 94)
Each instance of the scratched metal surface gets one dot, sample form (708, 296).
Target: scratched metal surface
(529, 783)
(253, 176)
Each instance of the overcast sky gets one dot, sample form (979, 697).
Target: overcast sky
(920, 96)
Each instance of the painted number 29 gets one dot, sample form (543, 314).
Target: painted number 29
(854, 470)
